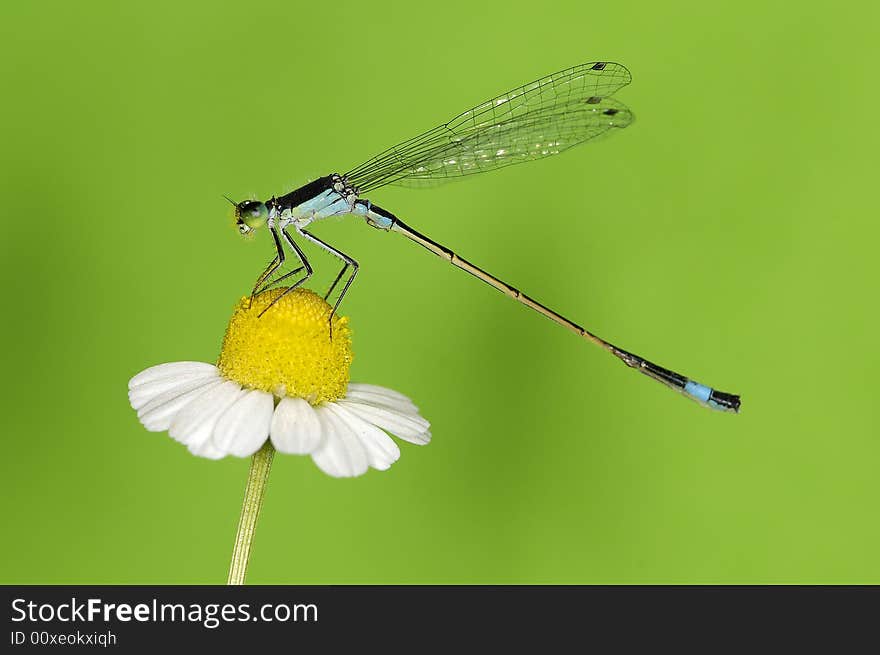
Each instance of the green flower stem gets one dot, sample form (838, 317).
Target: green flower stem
(258, 476)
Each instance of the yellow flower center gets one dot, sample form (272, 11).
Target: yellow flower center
(288, 350)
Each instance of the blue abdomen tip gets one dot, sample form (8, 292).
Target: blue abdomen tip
(697, 391)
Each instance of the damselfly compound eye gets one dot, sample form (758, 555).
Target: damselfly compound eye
(252, 214)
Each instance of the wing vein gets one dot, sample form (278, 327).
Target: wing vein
(532, 121)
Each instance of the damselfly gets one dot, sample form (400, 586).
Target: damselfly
(533, 121)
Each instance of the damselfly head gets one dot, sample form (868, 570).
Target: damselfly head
(250, 215)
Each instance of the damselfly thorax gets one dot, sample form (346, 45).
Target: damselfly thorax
(325, 197)
(533, 121)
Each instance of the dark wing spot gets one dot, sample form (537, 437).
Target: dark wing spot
(599, 66)
(610, 112)
(593, 100)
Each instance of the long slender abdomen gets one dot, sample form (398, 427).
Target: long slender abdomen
(706, 396)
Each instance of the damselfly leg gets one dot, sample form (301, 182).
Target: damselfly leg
(264, 282)
(336, 281)
(349, 262)
(267, 273)
(269, 284)
(302, 258)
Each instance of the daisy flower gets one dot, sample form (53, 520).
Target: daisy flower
(280, 378)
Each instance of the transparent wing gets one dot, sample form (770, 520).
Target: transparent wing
(542, 135)
(533, 121)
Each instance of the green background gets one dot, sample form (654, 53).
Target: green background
(730, 233)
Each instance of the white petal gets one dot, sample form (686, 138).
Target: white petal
(295, 428)
(148, 391)
(340, 453)
(159, 412)
(382, 452)
(194, 423)
(375, 389)
(382, 400)
(409, 428)
(244, 426)
(208, 450)
(169, 370)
